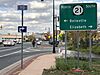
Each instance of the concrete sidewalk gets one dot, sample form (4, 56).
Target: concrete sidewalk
(37, 66)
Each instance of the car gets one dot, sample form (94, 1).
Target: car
(0, 40)
(18, 41)
(38, 42)
(8, 43)
(51, 42)
(15, 41)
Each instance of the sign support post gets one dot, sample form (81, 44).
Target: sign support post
(22, 45)
(22, 8)
(78, 49)
(90, 49)
(65, 46)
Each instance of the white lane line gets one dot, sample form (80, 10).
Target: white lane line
(25, 50)
(9, 54)
(9, 49)
(30, 50)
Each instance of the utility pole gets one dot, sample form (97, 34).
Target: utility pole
(53, 27)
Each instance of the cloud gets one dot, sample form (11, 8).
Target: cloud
(35, 4)
(36, 18)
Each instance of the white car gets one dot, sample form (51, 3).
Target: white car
(8, 43)
(0, 40)
(19, 42)
(39, 42)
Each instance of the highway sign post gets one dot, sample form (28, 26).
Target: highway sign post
(90, 49)
(22, 29)
(79, 16)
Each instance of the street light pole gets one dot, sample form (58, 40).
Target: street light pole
(53, 27)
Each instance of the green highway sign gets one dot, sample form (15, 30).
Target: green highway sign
(78, 16)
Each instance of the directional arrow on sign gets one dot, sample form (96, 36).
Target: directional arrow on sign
(22, 29)
(90, 26)
(65, 20)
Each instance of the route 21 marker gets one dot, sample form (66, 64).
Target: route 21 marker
(78, 10)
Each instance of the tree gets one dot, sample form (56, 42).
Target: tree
(31, 37)
(62, 37)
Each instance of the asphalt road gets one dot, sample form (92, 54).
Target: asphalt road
(12, 54)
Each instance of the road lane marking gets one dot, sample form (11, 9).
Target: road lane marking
(30, 50)
(8, 49)
(25, 50)
(9, 54)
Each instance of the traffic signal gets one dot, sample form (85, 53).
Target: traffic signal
(42, 0)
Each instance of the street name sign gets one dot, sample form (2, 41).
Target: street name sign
(78, 16)
(22, 7)
(22, 29)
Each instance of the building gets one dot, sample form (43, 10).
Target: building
(10, 37)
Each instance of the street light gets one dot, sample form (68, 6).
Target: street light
(53, 27)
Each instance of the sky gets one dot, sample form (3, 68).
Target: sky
(38, 17)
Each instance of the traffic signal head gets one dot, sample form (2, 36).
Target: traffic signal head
(42, 0)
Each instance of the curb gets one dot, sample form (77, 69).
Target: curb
(16, 66)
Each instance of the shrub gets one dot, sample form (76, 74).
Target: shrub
(69, 63)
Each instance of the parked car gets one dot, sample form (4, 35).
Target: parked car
(8, 43)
